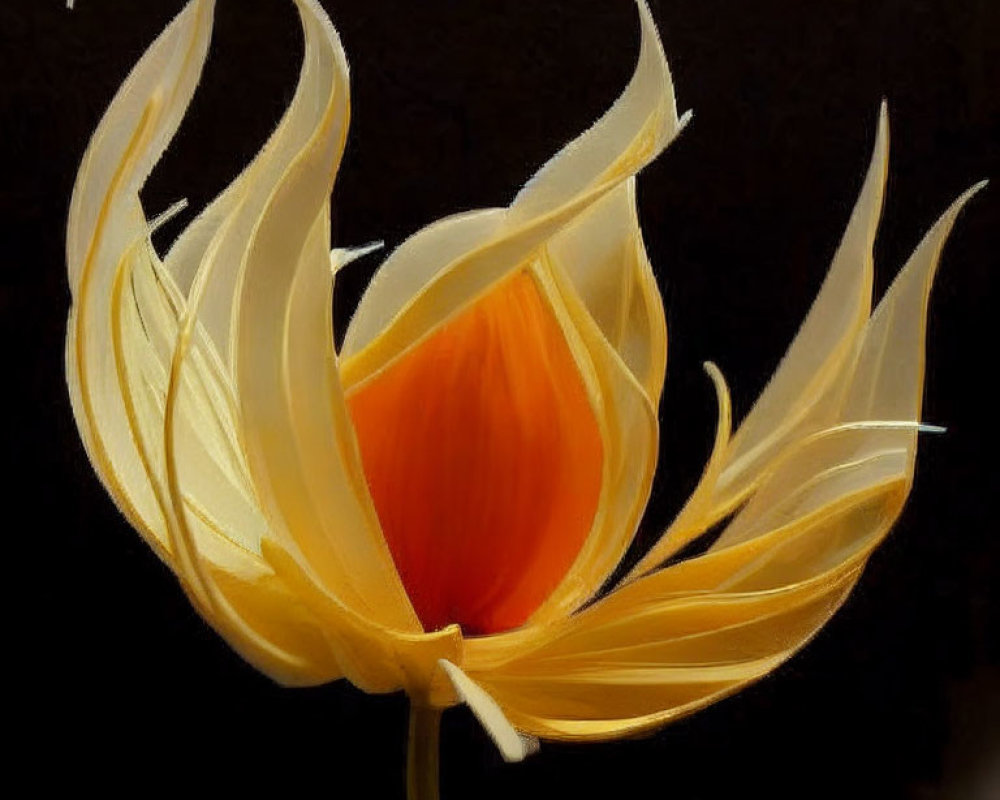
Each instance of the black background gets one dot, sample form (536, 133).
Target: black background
(454, 105)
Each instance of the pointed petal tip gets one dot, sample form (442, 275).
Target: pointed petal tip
(340, 257)
(882, 134)
(165, 216)
(951, 213)
(975, 189)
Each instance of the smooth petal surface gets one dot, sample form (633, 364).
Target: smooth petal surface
(815, 366)
(323, 539)
(122, 332)
(582, 196)
(819, 355)
(185, 437)
(678, 639)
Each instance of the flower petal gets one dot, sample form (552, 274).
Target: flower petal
(583, 196)
(603, 255)
(629, 430)
(446, 266)
(279, 341)
(484, 455)
(678, 639)
(820, 352)
(792, 404)
(105, 221)
(513, 746)
(122, 332)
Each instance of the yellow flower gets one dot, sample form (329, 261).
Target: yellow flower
(435, 508)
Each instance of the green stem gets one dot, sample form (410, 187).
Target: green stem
(422, 753)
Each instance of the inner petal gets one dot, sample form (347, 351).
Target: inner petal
(483, 457)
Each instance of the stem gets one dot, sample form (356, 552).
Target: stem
(422, 753)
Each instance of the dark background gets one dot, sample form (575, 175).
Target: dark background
(454, 105)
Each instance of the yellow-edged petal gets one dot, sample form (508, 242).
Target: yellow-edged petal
(277, 333)
(122, 332)
(796, 399)
(446, 266)
(819, 354)
(105, 222)
(680, 638)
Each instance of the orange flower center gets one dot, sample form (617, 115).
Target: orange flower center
(483, 457)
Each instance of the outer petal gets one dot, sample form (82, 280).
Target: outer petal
(442, 268)
(158, 404)
(122, 331)
(226, 235)
(105, 220)
(816, 365)
(822, 349)
(678, 639)
(323, 538)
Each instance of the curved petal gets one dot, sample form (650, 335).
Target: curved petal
(122, 332)
(629, 429)
(279, 338)
(691, 522)
(323, 542)
(603, 255)
(105, 220)
(821, 351)
(443, 268)
(798, 399)
(678, 639)
(583, 195)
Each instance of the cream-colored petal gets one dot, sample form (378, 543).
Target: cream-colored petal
(302, 458)
(603, 254)
(802, 395)
(820, 352)
(876, 412)
(642, 119)
(105, 221)
(411, 266)
(442, 269)
(122, 333)
(629, 429)
(685, 636)
(513, 746)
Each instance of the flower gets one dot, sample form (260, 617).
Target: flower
(435, 508)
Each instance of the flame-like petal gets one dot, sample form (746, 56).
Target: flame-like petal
(678, 639)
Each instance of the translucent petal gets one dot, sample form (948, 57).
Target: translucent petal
(603, 255)
(820, 352)
(630, 432)
(293, 422)
(675, 640)
(123, 329)
(105, 221)
(446, 266)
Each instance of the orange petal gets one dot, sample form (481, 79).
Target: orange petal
(484, 459)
